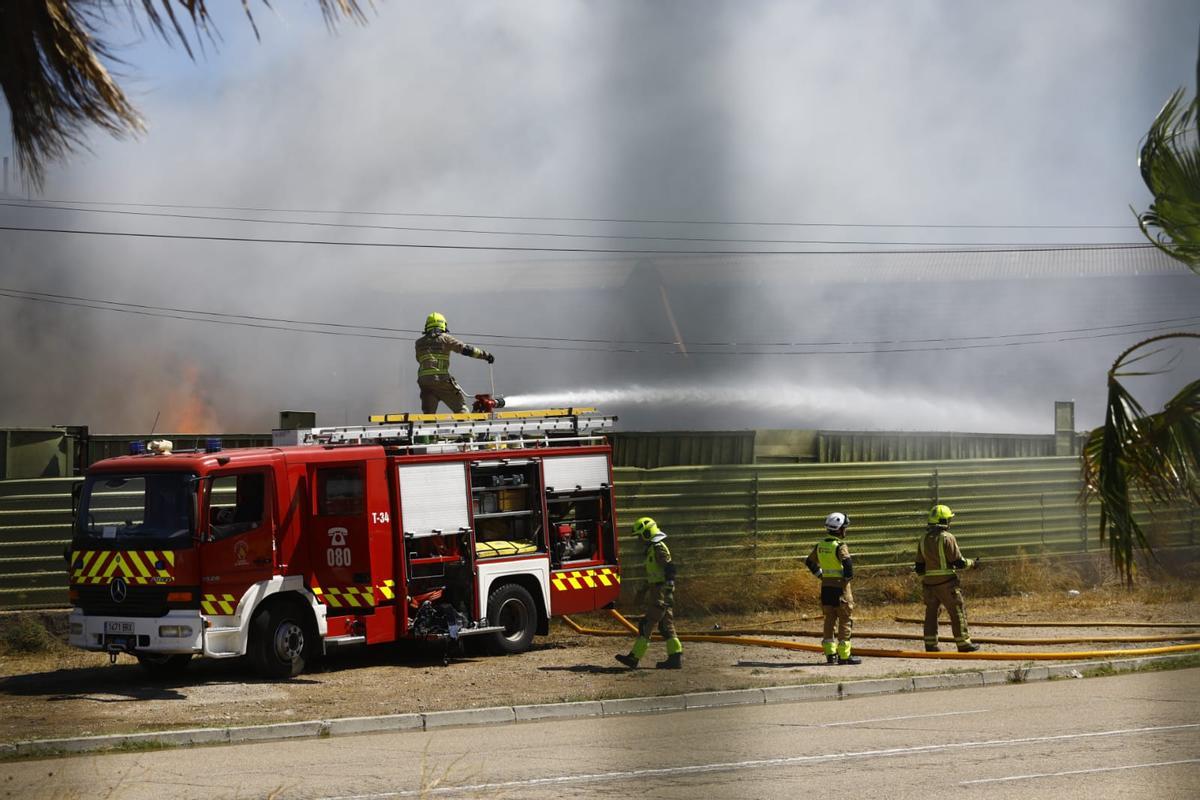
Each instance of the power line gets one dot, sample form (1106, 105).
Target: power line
(622, 220)
(142, 311)
(11, 292)
(546, 234)
(613, 251)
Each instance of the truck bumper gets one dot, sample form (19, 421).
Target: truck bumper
(175, 633)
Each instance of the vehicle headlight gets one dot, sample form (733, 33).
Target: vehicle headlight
(174, 631)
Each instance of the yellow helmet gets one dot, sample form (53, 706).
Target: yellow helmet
(645, 528)
(435, 322)
(940, 515)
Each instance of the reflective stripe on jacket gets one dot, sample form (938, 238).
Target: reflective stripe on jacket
(931, 549)
(657, 557)
(433, 354)
(827, 557)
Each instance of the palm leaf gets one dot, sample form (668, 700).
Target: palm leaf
(1154, 458)
(1170, 166)
(53, 72)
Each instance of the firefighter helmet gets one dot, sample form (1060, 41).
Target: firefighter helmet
(435, 322)
(645, 528)
(836, 522)
(940, 515)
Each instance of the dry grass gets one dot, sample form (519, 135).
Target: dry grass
(1030, 581)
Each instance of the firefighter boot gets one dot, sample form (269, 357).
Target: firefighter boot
(843, 654)
(830, 653)
(968, 647)
(674, 655)
(635, 653)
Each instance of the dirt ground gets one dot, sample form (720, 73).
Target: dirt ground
(64, 692)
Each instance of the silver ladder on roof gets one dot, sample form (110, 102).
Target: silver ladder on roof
(435, 433)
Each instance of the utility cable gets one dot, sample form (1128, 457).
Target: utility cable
(611, 251)
(621, 220)
(548, 234)
(12, 292)
(385, 337)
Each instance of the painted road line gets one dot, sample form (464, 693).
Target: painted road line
(728, 766)
(882, 719)
(1034, 775)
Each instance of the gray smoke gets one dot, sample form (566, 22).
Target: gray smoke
(1012, 113)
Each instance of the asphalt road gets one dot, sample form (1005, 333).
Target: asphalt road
(1117, 737)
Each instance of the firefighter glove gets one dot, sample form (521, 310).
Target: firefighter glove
(976, 563)
(491, 359)
(919, 567)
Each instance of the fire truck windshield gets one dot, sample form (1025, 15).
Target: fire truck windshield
(158, 507)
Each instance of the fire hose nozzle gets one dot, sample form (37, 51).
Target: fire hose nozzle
(486, 402)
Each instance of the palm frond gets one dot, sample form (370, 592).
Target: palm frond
(1148, 457)
(1170, 166)
(55, 82)
(53, 73)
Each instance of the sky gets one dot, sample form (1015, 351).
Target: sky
(572, 133)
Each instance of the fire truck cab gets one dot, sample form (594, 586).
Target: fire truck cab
(435, 527)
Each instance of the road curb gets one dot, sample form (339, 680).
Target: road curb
(507, 715)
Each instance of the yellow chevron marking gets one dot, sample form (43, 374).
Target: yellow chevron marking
(574, 583)
(559, 584)
(138, 569)
(604, 581)
(591, 584)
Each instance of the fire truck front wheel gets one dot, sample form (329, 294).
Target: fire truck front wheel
(511, 606)
(281, 641)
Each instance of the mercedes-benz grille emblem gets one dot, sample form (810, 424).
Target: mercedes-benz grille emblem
(117, 590)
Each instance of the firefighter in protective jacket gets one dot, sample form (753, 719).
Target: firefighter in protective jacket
(660, 582)
(433, 374)
(830, 561)
(938, 559)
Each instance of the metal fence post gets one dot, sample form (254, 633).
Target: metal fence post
(1083, 524)
(1042, 501)
(754, 520)
(935, 486)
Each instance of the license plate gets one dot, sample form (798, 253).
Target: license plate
(118, 627)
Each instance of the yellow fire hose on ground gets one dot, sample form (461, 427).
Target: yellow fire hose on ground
(749, 641)
(1179, 637)
(1061, 624)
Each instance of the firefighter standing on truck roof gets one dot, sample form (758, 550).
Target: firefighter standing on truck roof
(433, 374)
(660, 582)
(938, 557)
(830, 561)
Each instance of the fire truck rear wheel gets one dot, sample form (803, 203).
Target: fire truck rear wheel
(511, 607)
(280, 641)
(158, 665)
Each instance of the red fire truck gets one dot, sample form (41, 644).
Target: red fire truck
(419, 526)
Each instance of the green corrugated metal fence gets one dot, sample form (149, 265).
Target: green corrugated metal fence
(727, 519)
(762, 519)
(35, 525)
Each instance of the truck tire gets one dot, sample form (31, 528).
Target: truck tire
(281, 641)
(160, 666)
(512, 607)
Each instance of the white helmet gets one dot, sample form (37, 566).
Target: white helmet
(836, 521)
